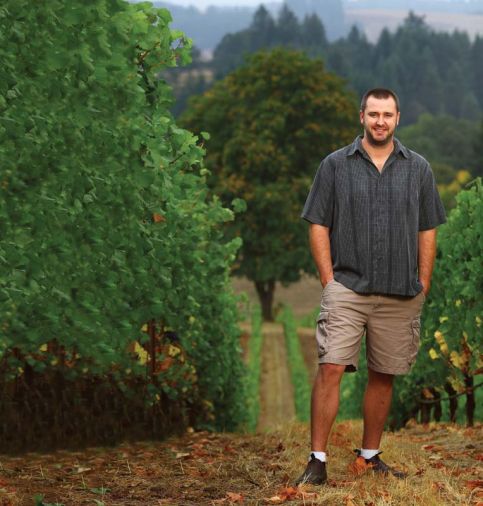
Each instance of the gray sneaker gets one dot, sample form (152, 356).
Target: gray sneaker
(315, 473)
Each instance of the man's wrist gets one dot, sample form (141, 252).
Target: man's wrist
(426, 285)
(326, 280)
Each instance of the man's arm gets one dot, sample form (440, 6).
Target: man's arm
(320, 248)
(426, 256)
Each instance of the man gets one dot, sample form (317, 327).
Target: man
(373, 210)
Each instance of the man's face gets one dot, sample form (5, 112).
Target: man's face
(379, 119)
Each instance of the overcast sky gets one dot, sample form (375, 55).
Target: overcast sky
(205, 3)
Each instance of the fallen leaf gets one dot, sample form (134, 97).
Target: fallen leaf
(289, 492)
(349, 501)
(286, 494)
(182, 455)
(275, 499)
(437, 485)
(472, 484)
(308, 495)
(234, 497)
(358, 467)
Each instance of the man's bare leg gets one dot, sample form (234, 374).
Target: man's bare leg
(377, 402)
(325, 403)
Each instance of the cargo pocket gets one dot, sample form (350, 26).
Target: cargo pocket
(415, 337)
(321, 333)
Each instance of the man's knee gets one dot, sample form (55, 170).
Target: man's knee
(380, 377)
(330, 372)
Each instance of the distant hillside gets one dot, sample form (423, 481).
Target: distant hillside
(207, 28)
(373, 21)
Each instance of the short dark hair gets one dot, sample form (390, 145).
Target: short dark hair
(379, 93)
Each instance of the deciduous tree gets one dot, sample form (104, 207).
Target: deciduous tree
(271, 122)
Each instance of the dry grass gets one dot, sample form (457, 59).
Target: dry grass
(209, 469)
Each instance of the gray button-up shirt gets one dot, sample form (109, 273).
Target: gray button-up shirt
(374, 217)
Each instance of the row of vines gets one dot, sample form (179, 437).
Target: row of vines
(116, 314)
(450, 359)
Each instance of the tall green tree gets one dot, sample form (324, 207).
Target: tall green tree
(288, 28)
(271, 122)
(477, 64)
(314, 38)
(478, 148)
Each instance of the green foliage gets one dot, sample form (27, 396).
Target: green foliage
(298, 369)
(271, 122)
(448, 192)
(254, 369)
(309, 319)
(453, 312)
(449, 144)
(105, 218)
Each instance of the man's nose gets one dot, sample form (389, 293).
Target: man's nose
(380, 120)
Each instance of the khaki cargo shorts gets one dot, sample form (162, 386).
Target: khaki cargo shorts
(391, 324)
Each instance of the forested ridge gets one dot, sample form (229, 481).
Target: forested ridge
(438, 76)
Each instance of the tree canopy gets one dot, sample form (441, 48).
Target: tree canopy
(444, 140)
(271, 122)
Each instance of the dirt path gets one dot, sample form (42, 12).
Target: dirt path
(276, 390)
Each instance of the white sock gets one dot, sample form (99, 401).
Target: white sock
(368, 454)
(319, 455)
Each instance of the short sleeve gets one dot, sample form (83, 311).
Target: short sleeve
(431, 209)
(319, 206)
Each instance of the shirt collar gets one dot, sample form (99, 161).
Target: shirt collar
(357, 146)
